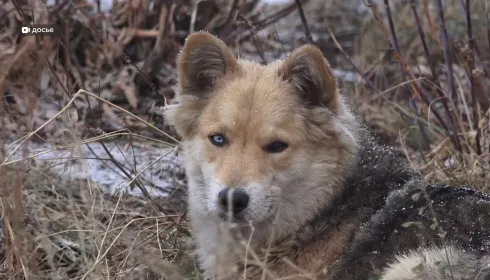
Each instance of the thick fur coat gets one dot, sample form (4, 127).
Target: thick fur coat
(317, 198)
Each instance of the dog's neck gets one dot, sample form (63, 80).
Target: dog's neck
(377, 172)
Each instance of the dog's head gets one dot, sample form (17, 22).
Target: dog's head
(262, 141)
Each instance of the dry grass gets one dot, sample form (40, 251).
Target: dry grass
(75, 231)
(57, 228)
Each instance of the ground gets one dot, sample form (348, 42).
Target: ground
(92, 184)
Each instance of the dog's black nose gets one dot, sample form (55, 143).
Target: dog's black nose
(239, 200)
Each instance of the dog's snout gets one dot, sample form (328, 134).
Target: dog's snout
(234, 198)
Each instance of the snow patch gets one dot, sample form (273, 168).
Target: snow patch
(156, 168)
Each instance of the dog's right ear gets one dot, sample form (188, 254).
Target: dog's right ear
(203, 60)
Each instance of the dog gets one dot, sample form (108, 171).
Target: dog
(285, 181)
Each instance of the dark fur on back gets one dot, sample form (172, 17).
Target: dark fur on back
(418, 215)
(398, 213)
(378, 172)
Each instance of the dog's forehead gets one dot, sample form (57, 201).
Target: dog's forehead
(257, 96)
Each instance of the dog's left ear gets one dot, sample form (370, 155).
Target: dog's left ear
(309, 72)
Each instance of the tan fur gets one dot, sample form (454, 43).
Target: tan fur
(295, 101)
(316, 257)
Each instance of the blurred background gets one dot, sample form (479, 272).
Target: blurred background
(92, 185)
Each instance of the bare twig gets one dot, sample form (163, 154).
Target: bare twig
(435, 78)
(476, 115)
(446, 49)
(431, 23)
(394, 43)
(245, 34)
(487, 24)
(162, 30)
(192, 24)
(228, 22)
(151, 64)
(485, 67)
(309, 39)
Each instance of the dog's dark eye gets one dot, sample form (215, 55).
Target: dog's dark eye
(217, 140)
(276, 147)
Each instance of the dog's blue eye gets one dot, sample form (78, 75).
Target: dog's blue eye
(276, 147)
(217, 140)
